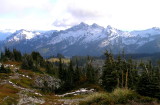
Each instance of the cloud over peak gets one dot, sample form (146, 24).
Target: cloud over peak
(61, 14)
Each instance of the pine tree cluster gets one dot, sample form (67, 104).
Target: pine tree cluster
(142, 77)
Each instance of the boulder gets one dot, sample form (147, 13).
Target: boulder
(47, 81)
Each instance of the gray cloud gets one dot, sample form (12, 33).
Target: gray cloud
(63, 23)
(81, 13)
(77, 15)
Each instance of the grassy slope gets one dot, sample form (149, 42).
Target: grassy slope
(8, 94)
(118, 96)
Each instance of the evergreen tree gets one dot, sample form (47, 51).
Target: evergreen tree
(8, 54)
(17, 55)
(77, 74)
(61, 70)
(90, 73)
(109, 79)
(149, 84)
(2, 58)
(4, 70)
(69, 81)
(27, 62)
(49, 68)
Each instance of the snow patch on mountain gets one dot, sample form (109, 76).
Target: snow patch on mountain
(78, 32)
(22, 35)
(104, 43)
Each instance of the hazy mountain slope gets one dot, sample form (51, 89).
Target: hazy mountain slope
(5, 33)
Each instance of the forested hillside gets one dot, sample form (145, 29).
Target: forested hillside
(28, 77)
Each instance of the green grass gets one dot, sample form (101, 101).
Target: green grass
(23, 82)
(4, 76)
(123, 95)
(8, 95)
(118, 96)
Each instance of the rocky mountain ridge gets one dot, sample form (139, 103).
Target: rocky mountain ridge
(84, 39)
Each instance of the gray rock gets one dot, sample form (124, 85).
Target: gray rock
(45, 80)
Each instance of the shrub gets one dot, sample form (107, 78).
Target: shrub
(94, 98)
(118, 96)
(122, 96)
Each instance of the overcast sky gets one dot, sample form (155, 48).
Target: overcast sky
(61, 14)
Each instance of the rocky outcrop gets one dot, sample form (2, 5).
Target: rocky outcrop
(43, 81)
(25, 99)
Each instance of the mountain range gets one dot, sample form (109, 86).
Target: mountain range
(82, 39)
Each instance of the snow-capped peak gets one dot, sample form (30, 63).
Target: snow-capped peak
(23, 35)
(83, 39)
(80, 26)
(94, 25)
(109, 27)
(27, 34)
(83, 24)
(112, 31)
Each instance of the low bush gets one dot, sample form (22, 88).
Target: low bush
(118, 96)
